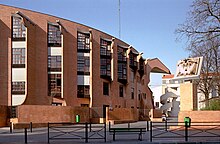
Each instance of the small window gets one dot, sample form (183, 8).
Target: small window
(54, 35)
(132, 93)
(83, 91)
(83, 42)
(18, 87)
(19, 30)
(54, 63)
(121, 91)
(157, 104)
(18, 57)
(84, 105)
(105, 88)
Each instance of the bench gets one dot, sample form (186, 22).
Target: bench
(128, 130)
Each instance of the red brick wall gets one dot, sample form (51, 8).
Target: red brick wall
(3, 115)
(200, 116)
(45, 114)
(123, 114)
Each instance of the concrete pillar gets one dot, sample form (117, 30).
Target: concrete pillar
(188, 96)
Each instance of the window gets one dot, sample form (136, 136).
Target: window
(121, 91)
(133, 60)
(54, 63)
(105, 68)
(83, 65)
(18, 87)
(18, 57)
(122, 71)
(83, 91)
(132, 76)
(139, 95)
(105, 47)
(19, 30)
(105, 59)
(54, 35)
(54, 87)
(83, 42)
(122, 54)
(105, 88)
(132, 93)
(157, 104)
(84, 105)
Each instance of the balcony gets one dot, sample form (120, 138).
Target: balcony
(133, 65)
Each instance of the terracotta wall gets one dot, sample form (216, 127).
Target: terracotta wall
(3, 115)
(157, 113)
(44, 114)
(200, 116)
(123, 114)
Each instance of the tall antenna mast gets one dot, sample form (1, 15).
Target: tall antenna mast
(119, 19)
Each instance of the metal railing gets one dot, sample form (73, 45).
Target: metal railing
(180, 131)
(80, 131)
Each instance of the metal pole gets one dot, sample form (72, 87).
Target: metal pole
(48, 132)
(86, 132)
(186, 131)
(25, 135)
(105, 130)
(90, 127)
(147, 125)
(165, 125)
(11, 127)
(119, 18)
(128, 125)
(31, 127)
(151, 138)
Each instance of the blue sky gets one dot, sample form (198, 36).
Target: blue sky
(147, 25)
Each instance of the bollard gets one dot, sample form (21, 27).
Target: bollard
(151, 134)
(25, 135)
(147, 125)
(165, 125)
(31, 127)
(90, 127)
(86, 132)
(186, 130)
(11, 127)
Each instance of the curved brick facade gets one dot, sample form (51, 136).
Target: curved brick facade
(129, 90)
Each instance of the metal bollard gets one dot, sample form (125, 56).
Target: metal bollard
(186, 131)
(165, 125)
(25, 135)
(147, 125)
(86, 132)
(11, 127)
(31, 127)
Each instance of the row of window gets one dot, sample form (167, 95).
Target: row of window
(121, 91)
(83, 62)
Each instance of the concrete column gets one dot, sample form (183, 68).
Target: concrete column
(188, 96)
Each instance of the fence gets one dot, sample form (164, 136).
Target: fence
(80, 131)
(180, 131)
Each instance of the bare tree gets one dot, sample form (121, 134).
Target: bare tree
(202, 29)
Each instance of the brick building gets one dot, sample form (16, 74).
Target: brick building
(47, 60)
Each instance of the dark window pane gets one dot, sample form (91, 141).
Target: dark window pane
(83, 91)
(83, 41)
(54, 63)
(18, 87)
(54, 35)
(105, 88)
(54, 85)
(18, 57)
(19, 30)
